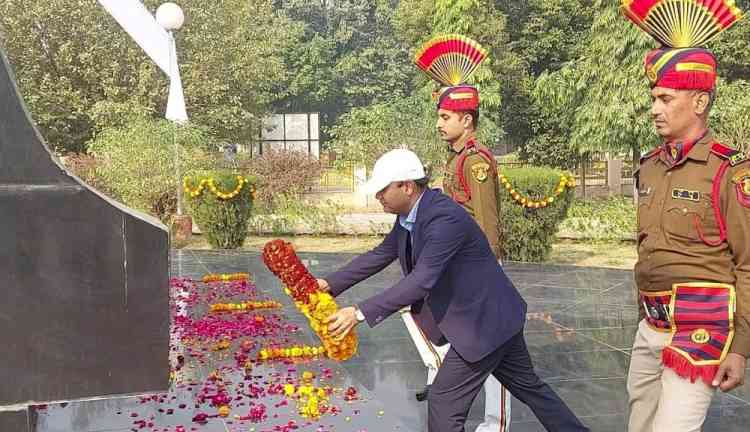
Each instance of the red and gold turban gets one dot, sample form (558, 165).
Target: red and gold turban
(682, 26)
(451, 60)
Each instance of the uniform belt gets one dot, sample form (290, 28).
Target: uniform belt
(656, 305)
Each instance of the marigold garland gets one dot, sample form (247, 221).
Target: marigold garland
(222, 277)
(211, 184)
(244, 306)
(316, 305)
(565, 182)
(293, 352)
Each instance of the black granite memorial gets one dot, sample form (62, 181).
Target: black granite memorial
(581, 325)
(85, 291)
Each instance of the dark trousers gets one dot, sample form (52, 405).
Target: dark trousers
(458, 382)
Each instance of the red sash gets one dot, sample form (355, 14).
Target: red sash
(702, 327)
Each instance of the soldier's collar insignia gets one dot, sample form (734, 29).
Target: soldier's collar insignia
(737, 158)
(674, 152)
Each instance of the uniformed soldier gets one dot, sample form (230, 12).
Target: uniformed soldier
(693, 269)
(471, 171)
(470, 178)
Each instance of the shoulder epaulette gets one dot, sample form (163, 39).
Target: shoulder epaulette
(651, 154)
(734, 156)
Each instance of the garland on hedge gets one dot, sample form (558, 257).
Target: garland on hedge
(198, 191)
(565, 182)
(316, 305)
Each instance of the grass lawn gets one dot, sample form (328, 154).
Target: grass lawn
(571, 252)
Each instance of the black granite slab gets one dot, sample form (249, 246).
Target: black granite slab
(85, 291)
(15, 420)
(579, 334)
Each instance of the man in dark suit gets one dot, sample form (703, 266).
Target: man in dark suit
(458, 293)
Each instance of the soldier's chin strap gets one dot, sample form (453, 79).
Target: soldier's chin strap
(470, 148)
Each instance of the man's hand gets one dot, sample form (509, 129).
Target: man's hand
(342, 322)
(323, 285)
(731, 372)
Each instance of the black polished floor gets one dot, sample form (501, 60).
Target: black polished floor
(581, 325)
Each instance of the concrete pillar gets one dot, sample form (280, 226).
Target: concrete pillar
(360, 177)
(614, 177)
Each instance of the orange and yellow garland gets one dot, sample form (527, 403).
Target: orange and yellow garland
(244, 306)
(213, 277)
(293, 352)
(197, 191)
(316, 305)
(565, 182)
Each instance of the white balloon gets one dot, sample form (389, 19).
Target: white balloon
(170, 16)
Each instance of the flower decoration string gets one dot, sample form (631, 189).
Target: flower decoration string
(565, 182)
(315, 304)
(210, 183)
(244, 306)
(224, 277)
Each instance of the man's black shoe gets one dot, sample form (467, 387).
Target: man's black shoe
(422, 395)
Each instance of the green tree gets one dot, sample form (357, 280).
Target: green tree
(365, 133)
(136, 161)
(349, 57)
(77, 68)
(230, 65)
(69, 56)
(547, 33)
(733, 49)
(730, 118)
(602, 95)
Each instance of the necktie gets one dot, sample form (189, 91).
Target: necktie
(409, 255)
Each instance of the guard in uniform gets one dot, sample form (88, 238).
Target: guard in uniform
(471, 175)
(470, 178)
(693, 269)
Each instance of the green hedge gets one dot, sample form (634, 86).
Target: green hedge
(223, 221)
(135, 163)
(527, 234)
(601, 219)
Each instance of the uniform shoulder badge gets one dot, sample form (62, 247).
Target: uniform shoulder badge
(742, 185)
(735, 157)
(480, 171)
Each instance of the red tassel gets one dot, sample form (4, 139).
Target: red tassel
(684, 368)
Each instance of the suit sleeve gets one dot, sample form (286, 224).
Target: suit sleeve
(484, 199)
(444, 237)
(737, 211)
(365, 265)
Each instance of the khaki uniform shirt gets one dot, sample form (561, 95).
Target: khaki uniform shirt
(481, 177)
(676, 214)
